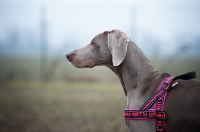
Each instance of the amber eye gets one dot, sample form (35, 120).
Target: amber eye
(93, 44)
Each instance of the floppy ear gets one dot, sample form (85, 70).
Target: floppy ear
(117, 44)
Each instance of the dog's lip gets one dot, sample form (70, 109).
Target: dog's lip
(87, 66)
(90, 66)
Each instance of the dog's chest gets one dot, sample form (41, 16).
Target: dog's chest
(141, 125)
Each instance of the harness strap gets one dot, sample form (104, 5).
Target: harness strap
(187, 76)
(160, 106)
(158, 114)
(162, 89)
(165, 86)
(151, 114)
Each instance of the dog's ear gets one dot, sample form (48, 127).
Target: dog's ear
(117, 44)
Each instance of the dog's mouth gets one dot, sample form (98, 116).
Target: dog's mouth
(89, 66)
(78, 63)
(84, 66)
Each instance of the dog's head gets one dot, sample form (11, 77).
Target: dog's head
(106, 48)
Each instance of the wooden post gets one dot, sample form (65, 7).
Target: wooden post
(43, 44)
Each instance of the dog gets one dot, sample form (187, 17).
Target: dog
(140, 80)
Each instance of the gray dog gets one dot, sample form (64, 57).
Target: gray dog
(140, 81)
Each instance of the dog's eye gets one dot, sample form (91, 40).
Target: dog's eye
(93, 43)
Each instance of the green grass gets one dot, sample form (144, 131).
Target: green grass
(62, 107)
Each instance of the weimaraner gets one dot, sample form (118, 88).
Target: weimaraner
(140, 80)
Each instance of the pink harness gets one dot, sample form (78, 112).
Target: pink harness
(146, 112)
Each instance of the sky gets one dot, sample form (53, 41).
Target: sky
(79, 21)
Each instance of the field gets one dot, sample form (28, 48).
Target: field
(61, 107)
(70, 100)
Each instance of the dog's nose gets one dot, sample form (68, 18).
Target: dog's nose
(68, 56)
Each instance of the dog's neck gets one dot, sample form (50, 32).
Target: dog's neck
(137, 76)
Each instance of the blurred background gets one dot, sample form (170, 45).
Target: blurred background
(41, 91)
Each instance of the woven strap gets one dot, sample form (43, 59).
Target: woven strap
(158, 114)
(133, 114)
